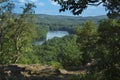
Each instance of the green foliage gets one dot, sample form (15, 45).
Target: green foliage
(16, 33)
(5, 26)
(86, 40)
(65, 23)
(107, 55)
(100, 48)
(28, 58)
(78, 77)
(55, 64)
(63, 50)
(41, 32)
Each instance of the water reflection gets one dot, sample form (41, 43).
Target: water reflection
(52, 34)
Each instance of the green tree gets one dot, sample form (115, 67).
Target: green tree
(87, 37)
(63, 50)
(5, 21)
(23, 33)
(107, 55)
(100, 48)
(69, 55)
(16, 33)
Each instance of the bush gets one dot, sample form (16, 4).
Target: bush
(55, 64)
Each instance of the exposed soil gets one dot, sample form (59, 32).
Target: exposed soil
(35, 72)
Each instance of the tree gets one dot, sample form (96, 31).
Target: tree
(107, 55)
(100, 48)
(1, 1)
(16, 32)
(87, 37)
(21, 36)
(77, 6)
(5, 21)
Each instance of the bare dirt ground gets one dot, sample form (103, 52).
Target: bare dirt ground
(35, 72)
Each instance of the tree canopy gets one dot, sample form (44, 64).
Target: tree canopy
(16, 33)
(78, 6)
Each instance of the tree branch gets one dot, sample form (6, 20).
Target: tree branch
(96, 4)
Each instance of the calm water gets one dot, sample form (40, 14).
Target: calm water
(52, 34)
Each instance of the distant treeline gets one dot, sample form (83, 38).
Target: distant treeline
(64, 23)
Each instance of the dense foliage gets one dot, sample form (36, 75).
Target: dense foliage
(86, 40)
(65, 23)
(63, 50)
(41, 32)
(101, 49)
(16, 33)
(95, 48)
(108, 51)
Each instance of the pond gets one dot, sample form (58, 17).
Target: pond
(52, 34)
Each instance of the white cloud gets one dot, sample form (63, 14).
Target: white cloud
(34, 0)
(23, 1)
(54, 3)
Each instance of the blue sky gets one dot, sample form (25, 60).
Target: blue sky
(52, 8)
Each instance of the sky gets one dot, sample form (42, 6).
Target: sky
(52, 8)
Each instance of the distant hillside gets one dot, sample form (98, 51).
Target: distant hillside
(43, 18)
(60, 22)
(67, 23)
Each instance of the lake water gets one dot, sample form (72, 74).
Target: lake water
(52, 34)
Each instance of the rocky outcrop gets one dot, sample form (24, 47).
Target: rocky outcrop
(33, 72)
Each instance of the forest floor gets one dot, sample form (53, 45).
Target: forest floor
(36, 72)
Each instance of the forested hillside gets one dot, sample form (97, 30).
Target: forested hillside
(73, 20)
(47, 23)
(88, 50)
(59, 22)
